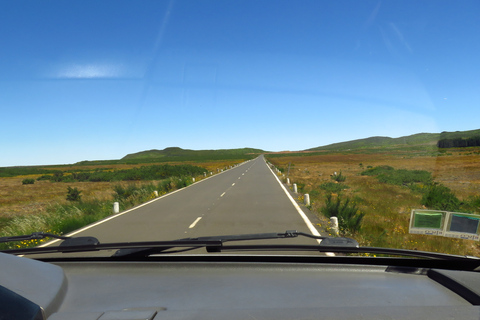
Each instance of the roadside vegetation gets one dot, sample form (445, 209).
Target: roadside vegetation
(374, 202)
(153, 172)
(70, 199)
(348, 214)
(63, 217)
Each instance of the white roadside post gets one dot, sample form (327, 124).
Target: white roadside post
(288, 181)
(295, 188)
(116, 207)
(155, 193)
(334, 224)
(307, 199)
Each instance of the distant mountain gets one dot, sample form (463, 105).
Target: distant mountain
(419, 139)
(175, 153)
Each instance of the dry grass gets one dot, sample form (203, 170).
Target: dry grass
(388, 207)
(17, 199)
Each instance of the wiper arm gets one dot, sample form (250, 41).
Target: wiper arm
(68, 243)
(32, 236)
(215, 243)
(326, 241)
(331, 241)
(254, 236)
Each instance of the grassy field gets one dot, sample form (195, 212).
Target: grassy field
(386, 206)
(42, 206)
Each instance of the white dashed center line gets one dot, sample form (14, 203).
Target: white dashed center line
(194, 222)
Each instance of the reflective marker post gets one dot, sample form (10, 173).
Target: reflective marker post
(116, 207)
(307, 199)
(334, 224)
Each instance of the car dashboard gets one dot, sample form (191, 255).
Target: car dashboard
(230, 287)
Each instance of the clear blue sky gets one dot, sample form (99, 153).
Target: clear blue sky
(96, 80)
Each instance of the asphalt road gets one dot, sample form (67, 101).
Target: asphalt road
(245, 199)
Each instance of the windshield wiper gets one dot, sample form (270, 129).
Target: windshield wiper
(144, 249)
(330, 241)
(215, 243)
(32, 236)
(67, 241)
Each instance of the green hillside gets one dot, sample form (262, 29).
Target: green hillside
(179, 154)
(415, 140)
(173, 154)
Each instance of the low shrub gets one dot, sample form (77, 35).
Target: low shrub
(333, 187)
(440, 197)
(184, 182)
(349, 217)
(472, 204)
(399, 177)
(122, 193)
(338, 177)
(153, 172)
(375, 171)
(28, 181)
(73, 194)
(132, 194)
(314, 194)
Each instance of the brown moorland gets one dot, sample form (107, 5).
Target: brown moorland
(387, 206)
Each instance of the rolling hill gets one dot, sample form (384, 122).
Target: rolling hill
(419, 139)
(178, 154)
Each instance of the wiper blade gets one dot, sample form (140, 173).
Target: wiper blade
(144, 249)
(32, 236)
(82, 244)
(215, 243)
(68, 243)
(326, 241)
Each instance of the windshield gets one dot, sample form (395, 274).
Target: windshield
(162, 120)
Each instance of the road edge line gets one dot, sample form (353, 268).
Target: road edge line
(307, 221)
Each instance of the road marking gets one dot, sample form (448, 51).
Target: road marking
(222, 194)
(299, 210)
(233, 184)
(310, 225)
(194, 222)
(124, 212)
